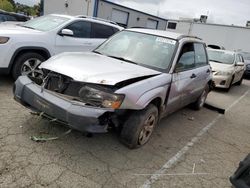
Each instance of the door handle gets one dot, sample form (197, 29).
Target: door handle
(193, 76)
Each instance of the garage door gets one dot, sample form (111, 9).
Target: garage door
(152, 24)
(120, 17)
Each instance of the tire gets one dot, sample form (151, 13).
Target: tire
(21, 65)
(239, 82)
(139, 127)
(199, 103)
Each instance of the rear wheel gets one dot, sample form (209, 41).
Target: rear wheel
(197, 105)
(27, 64)
(139, 127)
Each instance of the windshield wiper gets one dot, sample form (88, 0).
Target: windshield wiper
(123, 59)
(27, 27)
(97, 52)
(215, 61)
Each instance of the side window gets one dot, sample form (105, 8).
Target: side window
(115, 30)
(238, 59)
(101, 31)
(186, 58)
(2, 18)
(200, 55)
(81, 29)
(11, 18)
(242, 59)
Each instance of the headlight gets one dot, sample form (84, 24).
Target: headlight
(100, 98)
(4, 40)
(223, 73)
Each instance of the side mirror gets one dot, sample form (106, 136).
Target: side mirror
(66, 32)
(240, 64)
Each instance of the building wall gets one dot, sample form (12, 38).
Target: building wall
(231, 37)
(136, 19)
(75, 7)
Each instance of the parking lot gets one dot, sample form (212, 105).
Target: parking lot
(188, 149)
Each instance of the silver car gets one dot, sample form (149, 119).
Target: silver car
(130, 82)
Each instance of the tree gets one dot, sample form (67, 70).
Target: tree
(6, 5)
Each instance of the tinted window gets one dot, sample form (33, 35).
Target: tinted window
(80, 29)
(172, 25)
(200, 55)
(11, 18)
(2, 18)
(186, 58)
(101, 31)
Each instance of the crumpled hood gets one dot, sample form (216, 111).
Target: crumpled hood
(12, 29)
(220, 66)
(94, 68)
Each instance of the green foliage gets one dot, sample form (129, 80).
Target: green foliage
(6, 5)
(11, 6)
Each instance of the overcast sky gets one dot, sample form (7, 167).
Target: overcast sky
(235, 12)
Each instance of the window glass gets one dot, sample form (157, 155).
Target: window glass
(101, 31)
(2, 18)
(81, 29)
(10, 18)
(200, 55)
(172, 25)
(45, 23)
(186, 58)
(238, 58)
(145, 50)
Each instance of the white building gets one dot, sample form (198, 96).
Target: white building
(231, 37)
(124, 16)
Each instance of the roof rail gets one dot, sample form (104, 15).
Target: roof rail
(188, 36)
(95, 18)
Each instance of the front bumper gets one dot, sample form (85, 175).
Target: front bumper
(74, 114)
(222, 81)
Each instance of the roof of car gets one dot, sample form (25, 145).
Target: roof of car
(108, 22)
(162, 33)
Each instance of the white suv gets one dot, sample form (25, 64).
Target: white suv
(23, 47)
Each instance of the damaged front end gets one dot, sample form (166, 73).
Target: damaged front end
(60, 98)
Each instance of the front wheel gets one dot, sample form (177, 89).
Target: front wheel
(139, 127)
(27, 64)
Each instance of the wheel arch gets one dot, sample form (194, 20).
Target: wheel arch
(40, 50)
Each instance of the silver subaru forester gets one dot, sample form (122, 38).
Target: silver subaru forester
(129, 82)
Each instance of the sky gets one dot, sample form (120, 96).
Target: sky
(229, 12)
(28, 2)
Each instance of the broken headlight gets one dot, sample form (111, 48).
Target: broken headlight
(96, 97)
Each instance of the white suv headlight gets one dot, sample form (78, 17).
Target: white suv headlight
(4, 40)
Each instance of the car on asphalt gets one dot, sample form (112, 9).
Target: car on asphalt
(246, 57)
(228, 68)
(23, 47)
(12, 17)
(129, 82)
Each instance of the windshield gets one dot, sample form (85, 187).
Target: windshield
(221, 56)
(45, 23)
(246, 55)
(139, 48)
